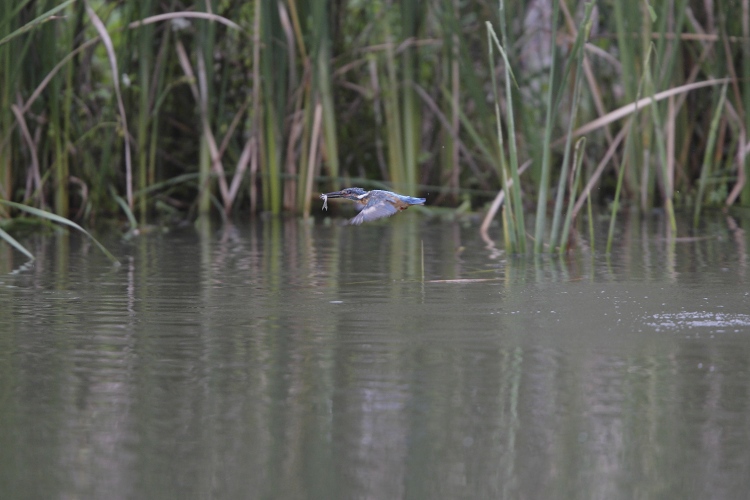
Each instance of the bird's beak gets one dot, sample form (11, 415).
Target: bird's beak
(335, 194)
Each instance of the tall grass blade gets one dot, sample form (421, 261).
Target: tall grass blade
(708, 156)
(15, 244)
(621, 174)
(590, 214)
(626, 17)
(411, 112)
(324, 87)
(577, 52)
(393, 113)
(745, 165)
(102, 30)
(125, 208)
(47, 16)
(578, 155)
(271, 57)
(544, 181)
(661, 148)
(509, 221)
(145, 42)
(312, 158)
(515, 194)
(60, 220)
(618, 190)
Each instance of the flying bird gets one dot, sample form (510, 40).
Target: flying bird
(374, 204)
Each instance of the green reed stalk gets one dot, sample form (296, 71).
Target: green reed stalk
(62, 181)
(625, 18)
(509, 221)
(15, 244)
(204, 171)
(311, 158)
(304, 187)
(648, 135)
(422, 261)
(508, 235)
(13, 10)
(125, 209)
(590, 214)
(544, 181)
(577, 52)
(209, 109)
(489, 154)
(661, 148)
(9, 75)
(708, 155)
(59, 105)
(628, 144)
(618, 188)
(411, 110)
(745, 196)
(256, 113)
(668, 48)
(301, 119)
(329, 115)
(159, 89)
(514, 195)
(393, 112)
(454, 164)
(578, 155)
(480, 125)
(273, 105)
(450, 79)
(450, 149)
(145, 42)
(109, 46)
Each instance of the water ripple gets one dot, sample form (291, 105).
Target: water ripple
(698, 319)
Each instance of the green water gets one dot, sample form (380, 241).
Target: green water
(288, 360)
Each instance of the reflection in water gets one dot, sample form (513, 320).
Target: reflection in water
(288, 359)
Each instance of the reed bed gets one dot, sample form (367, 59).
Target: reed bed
(149, 111)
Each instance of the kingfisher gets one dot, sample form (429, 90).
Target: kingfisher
(373, 204)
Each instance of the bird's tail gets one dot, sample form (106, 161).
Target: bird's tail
(414, 201)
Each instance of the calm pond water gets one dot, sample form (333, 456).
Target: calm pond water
(284, 359)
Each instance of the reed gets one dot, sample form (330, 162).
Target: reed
(323, 89)
(546, 167)
(708, 156)
(145, 43)
(744, 163)
(510, 230)
(578, 155)
(515, 193)
(577, 56)
(618, 191)
(658, 136)
(630, 137)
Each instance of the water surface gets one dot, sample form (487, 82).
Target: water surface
(284, 359)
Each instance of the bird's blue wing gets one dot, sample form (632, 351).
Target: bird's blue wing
(374, 210)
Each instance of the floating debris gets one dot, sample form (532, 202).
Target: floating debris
(698, 320)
